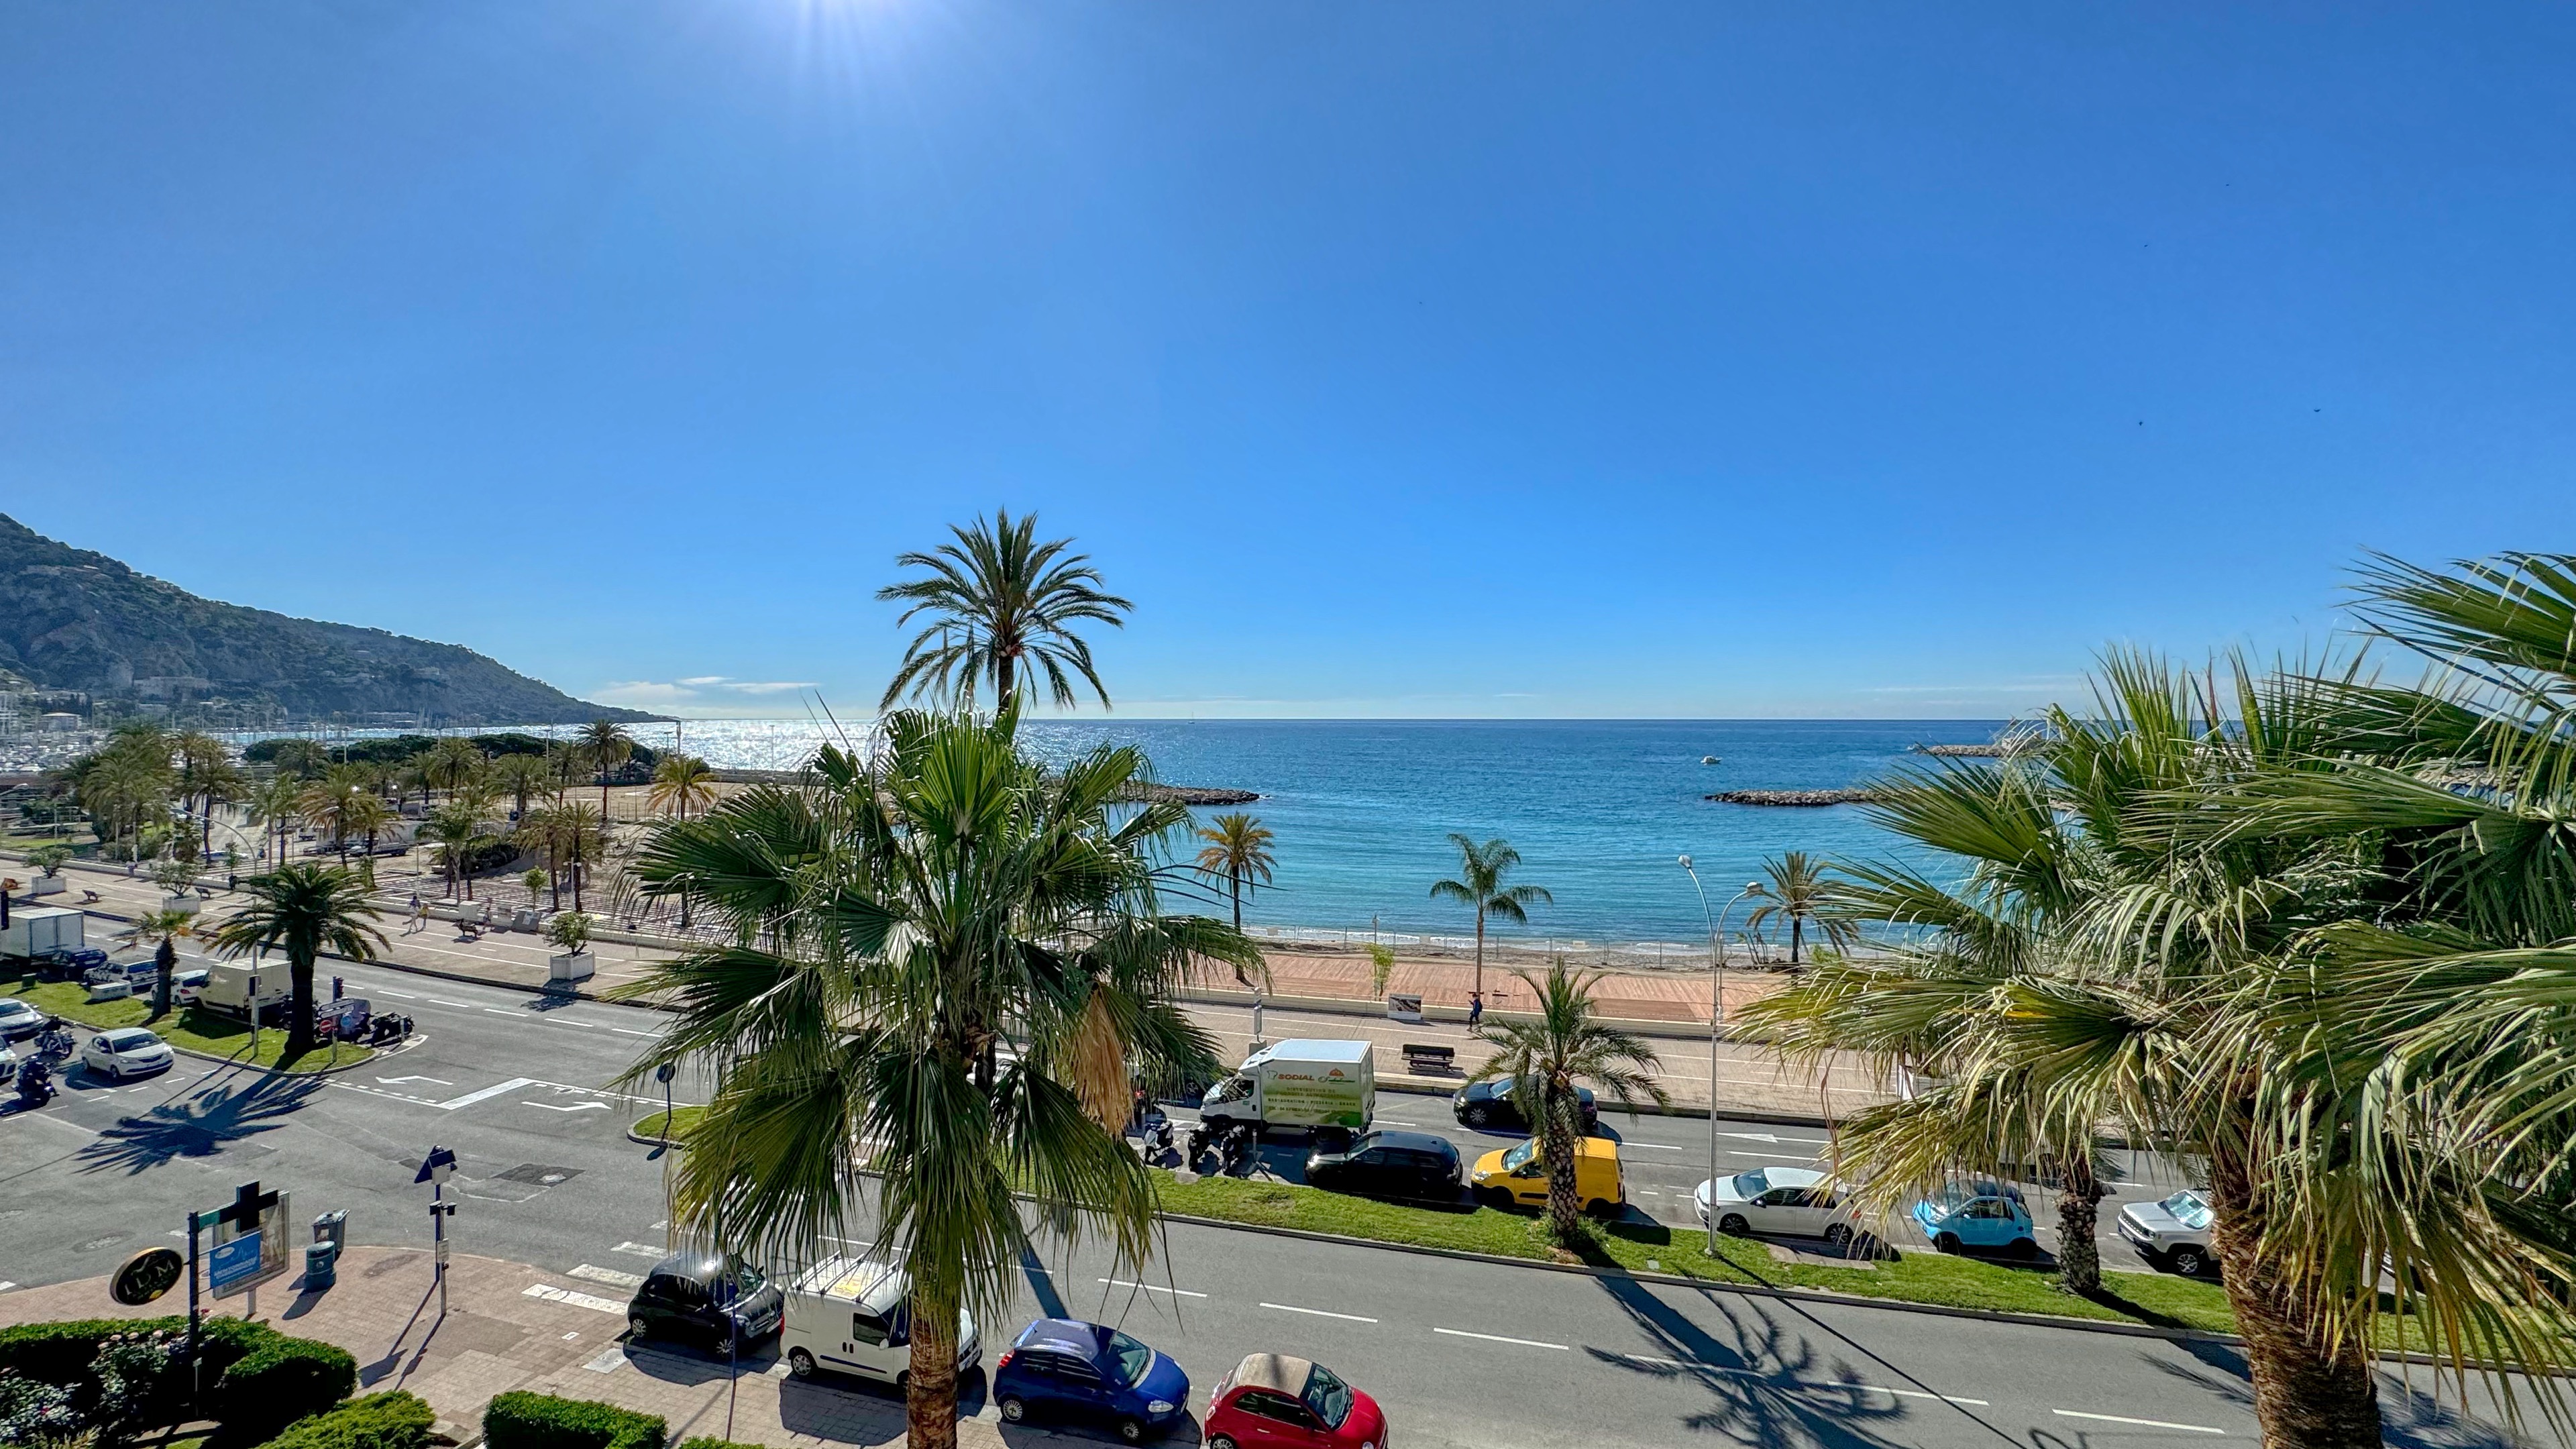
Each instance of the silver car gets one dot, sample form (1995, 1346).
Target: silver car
(128, 1051)
(2173, 1234)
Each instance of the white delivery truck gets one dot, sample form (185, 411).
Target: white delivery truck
(34, 930)
(849, 1316)
(1322, 1085)
(237, 988)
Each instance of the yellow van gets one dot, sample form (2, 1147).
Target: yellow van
(1515, 1174)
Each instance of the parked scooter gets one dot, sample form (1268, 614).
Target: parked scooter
(35, 1083)
(1156, 1143)
(387, 1027)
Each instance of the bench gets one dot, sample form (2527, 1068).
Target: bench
(1421, 1058)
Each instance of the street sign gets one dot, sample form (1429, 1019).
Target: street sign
(233, 1267)
(436, 1167)
(441, 1246)
(261, 1220)
(146, 1276)
(1404, 1008)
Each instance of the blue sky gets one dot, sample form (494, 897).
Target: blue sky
(1543, 359)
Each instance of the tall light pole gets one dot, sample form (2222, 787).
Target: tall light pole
(1716, 1019)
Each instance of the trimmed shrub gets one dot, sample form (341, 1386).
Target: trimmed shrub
(522, 1420)
(277, 1383)
(31, 1409)
(61, 1353)
(391, 1420)
(709, 1441)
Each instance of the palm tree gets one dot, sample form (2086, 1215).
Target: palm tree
(1479, 884)
(521, 776)
(1237, 852)
(206, 775)
(365, 816)
(605, 745)
(895, 924)
(331, 803)
(457, 830)
(1560, 1045)
(275, 806)
(303, 909)
(679, 782)
(1000, 605)
(303, 759)
(1799, 889)
(159, 929)
(451, 764)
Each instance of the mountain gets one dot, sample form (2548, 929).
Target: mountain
(72, 619)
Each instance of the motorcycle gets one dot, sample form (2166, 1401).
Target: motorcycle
(1200, 1153)
(54, 1041)
(386, 1028)
(35, 1084)
(1156, 1143)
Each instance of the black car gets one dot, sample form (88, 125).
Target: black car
(705, 1298)
(1489, 1105)
(1389, 1164)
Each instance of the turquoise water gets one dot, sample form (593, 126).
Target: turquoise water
(1598, 809)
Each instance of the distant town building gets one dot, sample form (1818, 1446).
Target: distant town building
(65, 722)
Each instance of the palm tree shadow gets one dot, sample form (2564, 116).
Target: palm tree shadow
(2409, 1416)
(200, 1126)
(1766, 1383)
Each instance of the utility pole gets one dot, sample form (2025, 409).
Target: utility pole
(434, 1170)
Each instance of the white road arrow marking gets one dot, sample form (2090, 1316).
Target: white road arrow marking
(576, 1107)
(398, 1081)
(470, 1098)
(1770, 1137)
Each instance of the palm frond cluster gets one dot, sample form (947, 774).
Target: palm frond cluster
(2310, 932)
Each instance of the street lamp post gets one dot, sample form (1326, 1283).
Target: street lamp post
(1716, 1018)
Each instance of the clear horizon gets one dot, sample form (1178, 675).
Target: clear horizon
(1631, 361)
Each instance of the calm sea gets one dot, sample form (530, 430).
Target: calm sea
(1598, 809)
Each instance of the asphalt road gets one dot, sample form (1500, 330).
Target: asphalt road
(1463, 1354)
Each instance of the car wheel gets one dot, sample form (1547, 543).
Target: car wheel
(800, 1363)
(1495, 1197)
(903, 1381)
(1222, 1441)
(2189, 1262)
(1013, 1408)
(1838, 1234)
(637, 1328)
(2022, 1248)
(1945, 1242)
(1131, 1431)
(1601, 1208)
(1734, 1225)
(1479, 1115)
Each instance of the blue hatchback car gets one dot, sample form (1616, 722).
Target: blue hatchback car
(1065, 1367)
(1987, 1215)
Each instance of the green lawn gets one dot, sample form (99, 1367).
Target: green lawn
(1925, 1277)
(685, 1118)
(189, 1028)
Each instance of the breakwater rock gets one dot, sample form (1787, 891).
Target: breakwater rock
(1968, 752)
(1191, 795)
(1794, 797)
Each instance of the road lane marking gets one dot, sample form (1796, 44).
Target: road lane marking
(1920, 1394)
(576, 1107)
(622, 1031)
(567, 1021)
(552, 1294)
(1658, 1146)
(642, 1250)
(1498, 1338)
(470, 1098)
(459, 1005)
(5, 1287)
(398, 1081)
(609, 1276)
(389, 991)
(1704, 1366)
(1150, 1288)
(2142, 1423)
(503, 1011)
(1318, 1312)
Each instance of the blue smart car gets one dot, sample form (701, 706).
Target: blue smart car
(1067, 1368)
(1984, 1215)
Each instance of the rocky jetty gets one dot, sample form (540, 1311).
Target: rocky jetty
(1968, 752)
(1191, 795)
(1794, 797)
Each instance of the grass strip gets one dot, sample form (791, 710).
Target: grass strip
(679, 1124)
(187, 1028)
(2153, 1300)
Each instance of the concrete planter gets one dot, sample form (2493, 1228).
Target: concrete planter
(46, 885)
(184, 903)
(577, 966)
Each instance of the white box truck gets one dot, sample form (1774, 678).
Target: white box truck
(849, 1316)
(34, 930)
(236, 988)
(1322, 1085)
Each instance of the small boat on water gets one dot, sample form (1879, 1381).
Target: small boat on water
(1708, 759)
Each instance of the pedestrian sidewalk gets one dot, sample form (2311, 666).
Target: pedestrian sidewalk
(510, 1326)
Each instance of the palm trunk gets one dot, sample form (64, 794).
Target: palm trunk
(1797, 937)
(930, 1391)
(1563, 1206)
(2306, 1395)
(554, 875)
(299, 1007)
(1238, 903)
(1479, 988)
(165, 964)
(2079, 1210)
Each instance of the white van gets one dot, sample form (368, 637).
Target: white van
(236, 988)
(848, 1315)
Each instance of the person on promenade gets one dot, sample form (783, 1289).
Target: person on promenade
(419, 915)
(1475, 1009)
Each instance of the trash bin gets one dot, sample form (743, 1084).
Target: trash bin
(331, 1227)
(321, 1266)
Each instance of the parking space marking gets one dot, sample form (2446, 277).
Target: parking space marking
(609, 1276)
(2142, 1423)
(1318, 1312)
(1151, 1288)
(1498, 1338)
(552, 1294)
(641, 1250)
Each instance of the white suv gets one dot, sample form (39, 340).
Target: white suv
(2173, 1234)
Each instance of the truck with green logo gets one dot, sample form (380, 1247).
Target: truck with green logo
(1325, 1087)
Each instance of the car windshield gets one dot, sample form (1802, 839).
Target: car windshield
(1327, 1395)
(1133, 1358)
(1954, 1197)
(2188, 1210)
(1517, 1156)
(1751, 1184)
(744, 1281)
(126, 1041)
(16, 1008)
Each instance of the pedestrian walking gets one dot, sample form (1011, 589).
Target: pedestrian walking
(1475, 1008)
(419, 914)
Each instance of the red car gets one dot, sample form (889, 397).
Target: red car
(1291, 1403)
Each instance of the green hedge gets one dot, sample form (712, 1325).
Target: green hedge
(709, 1441)
(277, 1383)
(542, 1421)
(61, 1353)
(393, 1420)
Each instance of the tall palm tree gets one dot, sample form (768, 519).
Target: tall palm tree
(1800, 890)
(896, 923)
(365, 816)
(303, 759)
(1479, 885)
(206, 775)
(160, 930)
(605, 745)
(303, 909)
(1237, 852)
(451, 764)
(1546, 1057)
(520, 776)
(331, 804)
(275, 806)
(457, 830)
(1001, 606)
(681, 782)
(545, 828)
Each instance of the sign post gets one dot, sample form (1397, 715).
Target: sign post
(250, 1244)
(435, 1170)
